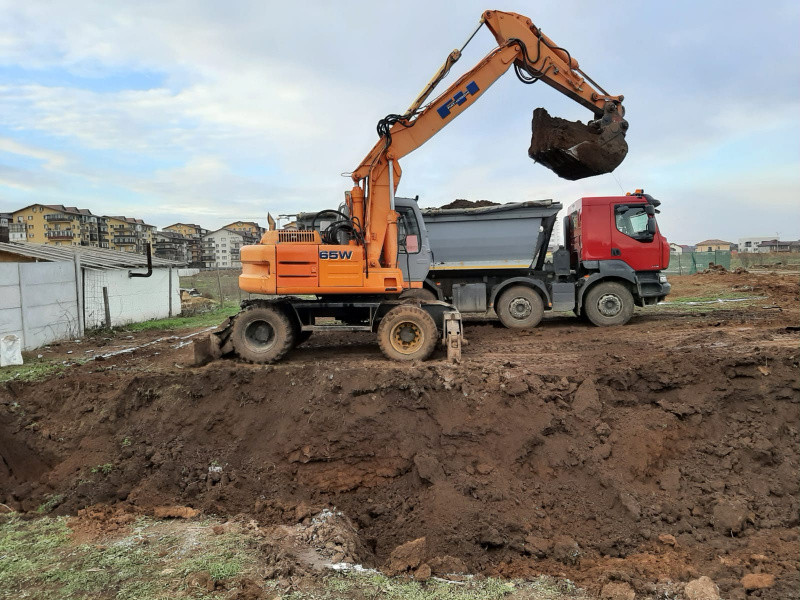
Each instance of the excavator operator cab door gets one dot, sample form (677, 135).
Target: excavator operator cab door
(413, 248)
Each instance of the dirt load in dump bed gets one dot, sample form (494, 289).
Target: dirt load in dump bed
(664, 450)
(460, 203)
(571, 149)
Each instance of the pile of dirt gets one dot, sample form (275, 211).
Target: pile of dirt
(461, 203)
(631, 470)
(573, 150)
(714, 268)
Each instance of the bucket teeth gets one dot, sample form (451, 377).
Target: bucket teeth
(574, 150)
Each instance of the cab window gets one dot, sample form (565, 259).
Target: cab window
(632, 221)
(408, 230)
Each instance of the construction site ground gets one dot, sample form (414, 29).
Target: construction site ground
(566, 461)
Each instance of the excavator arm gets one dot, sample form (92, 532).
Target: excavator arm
(572, 150)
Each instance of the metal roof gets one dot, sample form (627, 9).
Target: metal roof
(92, 258)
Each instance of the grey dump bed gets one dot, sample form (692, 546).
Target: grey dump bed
(505, 236)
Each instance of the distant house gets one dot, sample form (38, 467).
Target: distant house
(779, 246)
(680, 248)
(752, 244)
(713, 245)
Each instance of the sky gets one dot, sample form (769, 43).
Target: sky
(208, 112)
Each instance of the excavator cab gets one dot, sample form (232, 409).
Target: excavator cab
(574, 150)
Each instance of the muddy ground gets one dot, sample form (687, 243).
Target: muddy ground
(645, 456)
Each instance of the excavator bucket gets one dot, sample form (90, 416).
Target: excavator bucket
(574, 150)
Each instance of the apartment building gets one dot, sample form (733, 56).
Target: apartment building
(129, 235)
(195, 234)
(249, 229)
(221, 249)
(58, 225)
(5, 219)
(171, 245)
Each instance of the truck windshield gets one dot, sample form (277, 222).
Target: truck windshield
(632, 221)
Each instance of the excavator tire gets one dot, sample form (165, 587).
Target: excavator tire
(418, 294)
(262, 334)
(407, 332)
(519, 307)
(608, 303)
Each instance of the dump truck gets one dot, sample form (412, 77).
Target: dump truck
(493, 258)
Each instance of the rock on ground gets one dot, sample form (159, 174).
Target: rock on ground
(701, 589)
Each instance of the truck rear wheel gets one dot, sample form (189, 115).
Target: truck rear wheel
(262, 334)
(407, 333)
(519, 307)
(608, 303)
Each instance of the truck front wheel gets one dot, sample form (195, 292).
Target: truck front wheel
(519, 307)
(608, 304)
(407, 333)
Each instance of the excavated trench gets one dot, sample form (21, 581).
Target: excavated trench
(645, 468)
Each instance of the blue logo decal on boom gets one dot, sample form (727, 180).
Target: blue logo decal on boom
(335, 254)
(458, 99)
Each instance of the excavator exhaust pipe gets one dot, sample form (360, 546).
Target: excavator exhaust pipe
(574, 150)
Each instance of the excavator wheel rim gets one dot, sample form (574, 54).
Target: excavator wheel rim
(400, 334)
(282, 340)
(396, 321)
(256, 329)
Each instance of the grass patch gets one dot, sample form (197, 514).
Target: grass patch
(26, 549)
(214, 317)
(367, 585)
(151, 562)
(35, 370)
(53, 500)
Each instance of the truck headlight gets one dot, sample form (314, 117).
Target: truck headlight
(662, 279)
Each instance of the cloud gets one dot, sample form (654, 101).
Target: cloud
(244, 107)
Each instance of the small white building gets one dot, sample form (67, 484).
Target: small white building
(221, 249)
(50, 293)
(752, 244)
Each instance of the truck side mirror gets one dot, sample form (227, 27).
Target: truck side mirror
(651, 226)
(650, 209)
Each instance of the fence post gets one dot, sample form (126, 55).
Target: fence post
(170, 292)
(107, 307)
(79, 295)
(219, 284)
(22, 307)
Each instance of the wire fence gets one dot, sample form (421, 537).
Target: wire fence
(688, 263)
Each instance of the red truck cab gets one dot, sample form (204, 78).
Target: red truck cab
(616, 238)
(617, 228)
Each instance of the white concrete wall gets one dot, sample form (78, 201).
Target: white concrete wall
(39, 302)
(130, 299)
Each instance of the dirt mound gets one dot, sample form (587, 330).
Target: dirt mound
(460, 203)
(501, 467)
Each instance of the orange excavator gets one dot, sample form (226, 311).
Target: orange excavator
(346, 263)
